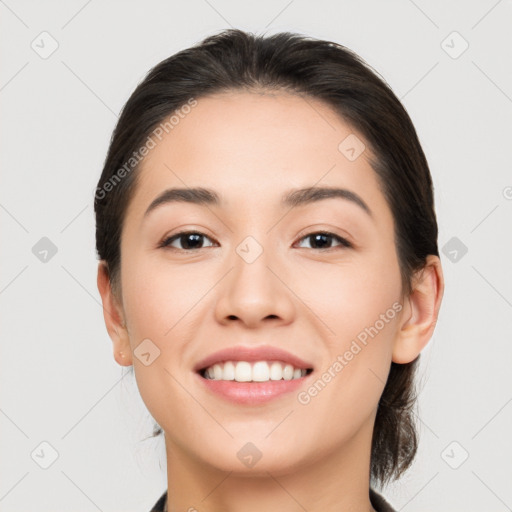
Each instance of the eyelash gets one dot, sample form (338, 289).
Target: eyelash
(165, 244)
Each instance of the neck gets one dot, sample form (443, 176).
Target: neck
(338, 481)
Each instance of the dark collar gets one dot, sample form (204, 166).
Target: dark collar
(377, 501)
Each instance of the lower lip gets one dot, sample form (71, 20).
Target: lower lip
(251, 393)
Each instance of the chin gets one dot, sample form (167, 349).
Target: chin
(254, 459)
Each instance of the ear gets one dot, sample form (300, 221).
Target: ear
(420, 312)
(114, 318)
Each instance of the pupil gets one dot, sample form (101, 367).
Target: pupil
(194, 236)
(318, 238)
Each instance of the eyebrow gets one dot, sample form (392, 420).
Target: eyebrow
(292, 198)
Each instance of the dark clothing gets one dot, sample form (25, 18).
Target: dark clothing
(377, 501)
(159, 505)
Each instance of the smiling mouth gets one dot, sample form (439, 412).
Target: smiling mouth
(257, 371)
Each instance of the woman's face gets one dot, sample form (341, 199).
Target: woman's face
(255, 279)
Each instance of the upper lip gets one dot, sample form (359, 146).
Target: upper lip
(251, 354)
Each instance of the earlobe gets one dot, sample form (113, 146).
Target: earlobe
(114, 318)
(122, 358)
(420, 315)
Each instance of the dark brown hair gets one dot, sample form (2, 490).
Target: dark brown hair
(235, 60)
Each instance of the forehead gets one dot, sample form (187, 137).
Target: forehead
(254, 146)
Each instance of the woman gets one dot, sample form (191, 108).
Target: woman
(269, 266)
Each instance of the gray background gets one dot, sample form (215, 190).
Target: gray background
(59, 381)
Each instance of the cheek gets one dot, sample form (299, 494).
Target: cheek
(159, 297)
(359, 305)
(158, 303)
(352, 295)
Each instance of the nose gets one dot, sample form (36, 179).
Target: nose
(255, 292)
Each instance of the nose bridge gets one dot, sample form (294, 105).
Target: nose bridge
(252, 290)
(251, 272)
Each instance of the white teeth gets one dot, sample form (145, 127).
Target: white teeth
(243, 372)
(276, 371)
(229, 371)
(217, 371)
(260, 371)
(288, 372)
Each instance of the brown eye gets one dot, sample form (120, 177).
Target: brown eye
(323, 240)
(189, 240)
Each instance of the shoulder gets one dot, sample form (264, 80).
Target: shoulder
(379, 503)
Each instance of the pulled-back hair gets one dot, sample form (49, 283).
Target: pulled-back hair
(233, 60)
